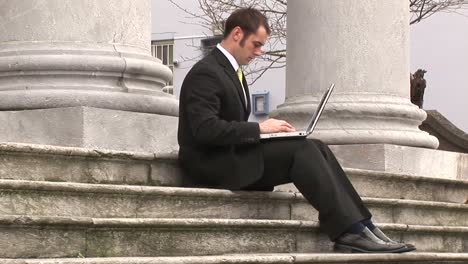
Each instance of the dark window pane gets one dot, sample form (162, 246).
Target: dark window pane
(159, 53)
(165, 55)
(171, 54)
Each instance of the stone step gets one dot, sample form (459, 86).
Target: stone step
(68, 164)
(407, 258)
(125, 201)
(56, 237)
(401, 186)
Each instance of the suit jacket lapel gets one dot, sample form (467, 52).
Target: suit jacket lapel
(223, 61)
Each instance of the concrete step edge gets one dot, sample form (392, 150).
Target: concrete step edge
(403, 176)
(253, 258)
(202, 223)
(70, 187)
(12, 147)
(140, 190)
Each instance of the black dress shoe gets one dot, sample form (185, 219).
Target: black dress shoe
(366, 242)
(378, 233)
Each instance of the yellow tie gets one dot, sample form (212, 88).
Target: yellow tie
(240, 75)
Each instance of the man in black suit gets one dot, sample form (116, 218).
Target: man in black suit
(220, 148)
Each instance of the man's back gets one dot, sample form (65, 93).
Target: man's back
(216, 142)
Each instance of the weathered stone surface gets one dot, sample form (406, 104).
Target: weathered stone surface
(113, 237)
(171, 237)
(213, 207)
(91, 200)
(90, 127)
(400, 159)
(429, 238)
(72, 169)
(101, 200)
(401, 186)
(69, 164)
(400, 211)
(408, 258)
(450, 137)
(40, 243)
(187, 242)
(42, 237)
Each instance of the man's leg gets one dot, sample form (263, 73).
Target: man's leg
(313, 168)
(316, 173)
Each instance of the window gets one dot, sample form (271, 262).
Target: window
(208, 44)
(164, 50)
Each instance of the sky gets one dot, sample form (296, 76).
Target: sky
(438, 44)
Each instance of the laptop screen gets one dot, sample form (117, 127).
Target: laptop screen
(313, 121)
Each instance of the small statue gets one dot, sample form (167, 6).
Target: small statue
(418, 85)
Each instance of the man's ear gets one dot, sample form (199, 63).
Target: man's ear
(237, 34)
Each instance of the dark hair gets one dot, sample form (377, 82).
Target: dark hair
(248, 19)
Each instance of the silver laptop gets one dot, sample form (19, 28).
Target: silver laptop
(312, 123)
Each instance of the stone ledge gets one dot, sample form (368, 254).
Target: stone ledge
(70, 164)
(403, 176)
(203, 223)
(94, 128)
(401, 159)
(72, 187)
(11, 147)
(122, 201)
(451, 138)
(46, 237)
(261, 259)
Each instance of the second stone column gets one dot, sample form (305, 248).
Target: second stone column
(363, 47)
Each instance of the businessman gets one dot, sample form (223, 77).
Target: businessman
(221, 149)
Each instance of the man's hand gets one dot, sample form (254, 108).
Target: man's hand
(274, 126)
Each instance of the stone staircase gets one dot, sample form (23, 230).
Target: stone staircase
(71, 205)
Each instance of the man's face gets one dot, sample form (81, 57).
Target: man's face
(250, 47)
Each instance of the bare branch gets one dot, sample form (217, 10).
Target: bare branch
(214, 12)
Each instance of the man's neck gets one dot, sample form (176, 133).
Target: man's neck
(227, 47)
(229, 56)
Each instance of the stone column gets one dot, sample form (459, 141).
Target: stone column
(363, 47)
(82, 74)
(61, 53)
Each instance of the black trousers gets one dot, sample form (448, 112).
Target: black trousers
(314, 170)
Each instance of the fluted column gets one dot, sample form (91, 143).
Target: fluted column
(362, 46)
(96, 53)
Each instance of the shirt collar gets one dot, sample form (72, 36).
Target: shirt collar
(228, 55)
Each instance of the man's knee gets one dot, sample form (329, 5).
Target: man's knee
(317, 143)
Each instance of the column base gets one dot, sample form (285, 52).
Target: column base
(91, 128)
(360, 119)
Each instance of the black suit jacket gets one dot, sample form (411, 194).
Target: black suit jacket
(218, 147)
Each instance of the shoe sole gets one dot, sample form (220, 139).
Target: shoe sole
(350, 249)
